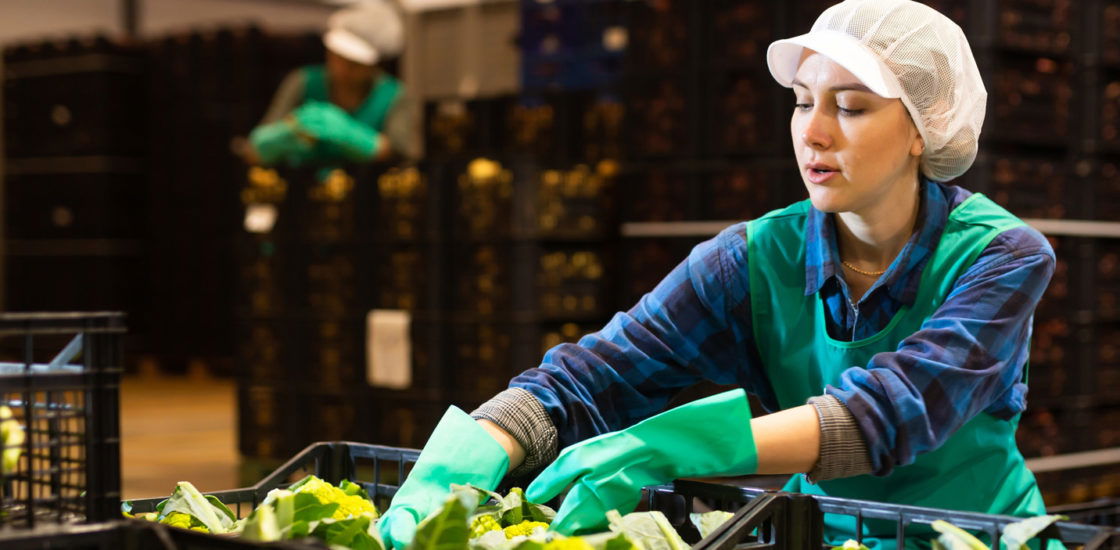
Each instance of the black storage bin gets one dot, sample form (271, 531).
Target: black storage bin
(60, 376)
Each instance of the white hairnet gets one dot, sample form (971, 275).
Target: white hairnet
(366, 32)
(908, 50)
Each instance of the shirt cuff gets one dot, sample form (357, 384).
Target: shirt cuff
(516, 411)
(843, 451)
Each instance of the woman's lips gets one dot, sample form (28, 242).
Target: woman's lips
(820, 175)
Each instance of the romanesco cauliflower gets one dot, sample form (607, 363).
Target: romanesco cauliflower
(524, 528)
(348, 505)
(182, 521)
(569, 543)
(484, 524)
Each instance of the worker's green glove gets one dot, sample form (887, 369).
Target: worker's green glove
(336, 130)
(709, 437)
(279, 142)
(459, 451)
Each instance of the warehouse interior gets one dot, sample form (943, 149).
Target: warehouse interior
(561, 158)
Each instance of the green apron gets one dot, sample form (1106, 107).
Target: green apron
(372, 112)
(979, 468)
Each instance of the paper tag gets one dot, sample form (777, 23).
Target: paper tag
(388, 349)
(260, 218)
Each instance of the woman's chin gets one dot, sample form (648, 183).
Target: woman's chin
(826, 200)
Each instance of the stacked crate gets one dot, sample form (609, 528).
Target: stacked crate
(530, 229)
(205, 86)
(76, 194)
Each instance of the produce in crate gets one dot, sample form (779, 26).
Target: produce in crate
(470, 518)
(11, 441)
(343, 515)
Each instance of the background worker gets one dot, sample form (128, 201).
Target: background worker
(348, 110)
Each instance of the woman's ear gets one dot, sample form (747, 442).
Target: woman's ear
(918, 146)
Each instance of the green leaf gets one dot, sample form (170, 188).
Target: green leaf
(352, 488)
(297, 485)
(955, 538)
(621, 542)
(529, 544)
(447, 528)
(650, 530)
(513, 511)
(308, 508)
(1016, 535)
(709, 521)
(188, 500)
(350, 532)
(261, 525)
(491, 540)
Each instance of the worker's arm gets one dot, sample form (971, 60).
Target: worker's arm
(787, 441)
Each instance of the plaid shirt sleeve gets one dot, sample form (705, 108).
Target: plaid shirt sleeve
(966, 359)
(679, 333)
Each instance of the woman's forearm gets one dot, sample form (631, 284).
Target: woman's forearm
(787, 442)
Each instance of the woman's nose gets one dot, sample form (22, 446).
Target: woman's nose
(816, 133)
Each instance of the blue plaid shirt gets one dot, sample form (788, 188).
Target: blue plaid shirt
(696, 324)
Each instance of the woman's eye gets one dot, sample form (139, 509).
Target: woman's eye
(851, 112)
(803, 106)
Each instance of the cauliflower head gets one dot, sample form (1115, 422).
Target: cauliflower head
(348, 505)
(183, 521)
(524, 528)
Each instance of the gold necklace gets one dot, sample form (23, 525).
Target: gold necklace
(860, 271)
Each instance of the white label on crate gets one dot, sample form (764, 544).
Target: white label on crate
(260, 218)
(388, 349)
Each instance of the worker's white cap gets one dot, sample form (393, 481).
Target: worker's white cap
(366, 33)
(906, 50)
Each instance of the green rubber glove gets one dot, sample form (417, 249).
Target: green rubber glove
(278, 142)
(708, 437)
(340, 133)
(458, 451)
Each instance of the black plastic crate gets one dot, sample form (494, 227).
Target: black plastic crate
(661, 36)
(1035, 100)
(661, 194)
(1110, 33)
(549, 280)
(74, 206)
(1110, 111)
(764, 519)
(1106, 187)
(303, 354)
(738, 33)
(454, 128)
(76, 99)
(1036, 186)
(1107, 264)
(1037, 25)
(87, 275)
(521, 199)
(486, 354)
(745, 118)
(60, 377)
(662, 117)
(745, 191)
(1079, 488)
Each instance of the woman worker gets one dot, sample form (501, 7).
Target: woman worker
(348, 110)
(883, 323)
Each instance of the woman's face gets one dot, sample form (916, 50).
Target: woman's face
(854, 149)
(346, 73)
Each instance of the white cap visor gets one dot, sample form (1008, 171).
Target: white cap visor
(784, 57)
(348, 45)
